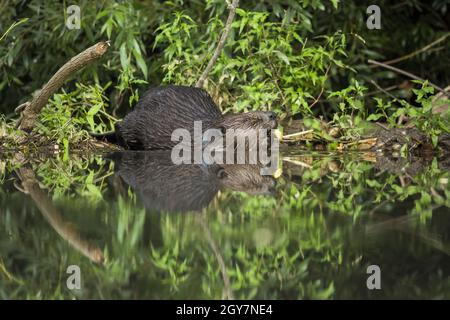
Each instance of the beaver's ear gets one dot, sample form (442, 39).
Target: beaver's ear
(221, 174)
(223, 129)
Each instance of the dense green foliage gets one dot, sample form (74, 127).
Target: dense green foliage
(279, 54)
(315, 237)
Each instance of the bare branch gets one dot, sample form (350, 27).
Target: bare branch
(412, 54)
(220, 45)
(321, 90)
(31, 112)
(405, 73)
(383, 90)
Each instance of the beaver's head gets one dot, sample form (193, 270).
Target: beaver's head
(250, 120)
(246, 178)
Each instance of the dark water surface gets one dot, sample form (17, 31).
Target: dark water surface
(141, 228)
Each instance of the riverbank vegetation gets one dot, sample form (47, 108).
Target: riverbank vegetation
(281, 57)
(365, 179)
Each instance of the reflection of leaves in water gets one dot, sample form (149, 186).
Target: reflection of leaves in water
(326, 223)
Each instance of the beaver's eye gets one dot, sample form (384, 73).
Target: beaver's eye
(223, 130)
(271, 115)
(221, 173)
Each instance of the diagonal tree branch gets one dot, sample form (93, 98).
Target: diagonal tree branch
(32, 109)
(412, 54)
(405, 73)
(220, 45)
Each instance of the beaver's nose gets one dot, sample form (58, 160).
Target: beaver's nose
(272, 119)
(270, 186)
(269, 191)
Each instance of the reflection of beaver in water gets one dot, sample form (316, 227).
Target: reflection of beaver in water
(163, 186)
(163, 109)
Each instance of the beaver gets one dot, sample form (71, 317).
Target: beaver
(164, 186)
(163, 109)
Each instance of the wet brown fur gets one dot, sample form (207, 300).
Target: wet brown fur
(163, 186)
(164, 109)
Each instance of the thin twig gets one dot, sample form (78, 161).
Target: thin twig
(219, 258)
(383, 90)
(321, 90)
(15, 24)
(8, 274)
(405, 73)
(390, 88)
(414, 53)
(297, 162)
(297, 134)
(220, 45)
(31, 112)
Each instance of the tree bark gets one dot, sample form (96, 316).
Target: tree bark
(32, 110)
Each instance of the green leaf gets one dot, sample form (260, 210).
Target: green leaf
(123, 57)
(375, 116)
(141, 63)
(95, 109)
(282, 56)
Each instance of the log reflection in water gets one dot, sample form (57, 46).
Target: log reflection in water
(64, 228)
